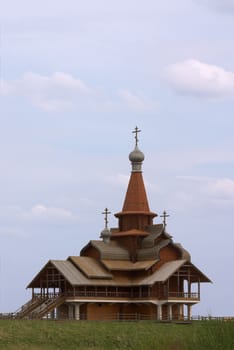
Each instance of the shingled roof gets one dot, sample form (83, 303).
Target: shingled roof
(108, 251)
(91, 267)
(73, 274)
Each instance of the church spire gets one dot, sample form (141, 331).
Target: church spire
(135, 213)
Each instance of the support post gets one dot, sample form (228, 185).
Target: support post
(159, 312)
(169, 312)
(189, 309)
(77, 311)
(180, 311)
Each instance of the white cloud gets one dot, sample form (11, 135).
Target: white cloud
(41, 212)
(38, 212)
(136, 102)
(50, 93)
(61, 91)
(199, 79)
(216, 191)
(221, 189)
(220, 5)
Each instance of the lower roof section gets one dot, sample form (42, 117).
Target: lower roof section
(75, 277)
(90, 267)
(120, 265)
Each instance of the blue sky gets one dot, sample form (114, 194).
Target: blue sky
(76, 78)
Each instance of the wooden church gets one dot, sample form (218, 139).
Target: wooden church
(134, 271)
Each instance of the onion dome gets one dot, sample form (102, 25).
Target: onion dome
(105, 235)
(136, 157)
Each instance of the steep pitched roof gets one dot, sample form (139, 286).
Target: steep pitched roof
(136, 199)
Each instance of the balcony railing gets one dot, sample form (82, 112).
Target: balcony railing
(182, 295)
(141, 294)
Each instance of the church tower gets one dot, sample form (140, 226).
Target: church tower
(135, 216)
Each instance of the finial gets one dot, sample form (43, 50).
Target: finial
(164, 216)
(106, 212)
(136, 131)
(106, 234)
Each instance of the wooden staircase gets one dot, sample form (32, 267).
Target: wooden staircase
(39, 307)
(47, 306)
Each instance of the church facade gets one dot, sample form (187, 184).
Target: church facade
(134, 271)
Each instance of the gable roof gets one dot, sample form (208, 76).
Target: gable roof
(91, 267)
(108, 251)
(164, 272)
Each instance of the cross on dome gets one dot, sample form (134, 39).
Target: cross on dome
(106, 212)
(164, 216)
(136, 131)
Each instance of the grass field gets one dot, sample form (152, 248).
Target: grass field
(50, 335)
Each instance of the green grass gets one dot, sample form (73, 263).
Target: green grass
(144, 335)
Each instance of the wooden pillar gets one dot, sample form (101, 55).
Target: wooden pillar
(189, 283)
(189, 310)
(181, 311)
(77, 311)
(169, 312)
(159, 312)
(189, 289)
(178, 283)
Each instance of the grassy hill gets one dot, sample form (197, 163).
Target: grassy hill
(144, 335)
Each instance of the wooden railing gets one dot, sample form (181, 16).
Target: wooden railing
(120, 294)
(182, 295)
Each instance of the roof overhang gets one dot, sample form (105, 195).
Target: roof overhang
(119, 265)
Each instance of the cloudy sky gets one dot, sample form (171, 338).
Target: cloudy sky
(76, 78)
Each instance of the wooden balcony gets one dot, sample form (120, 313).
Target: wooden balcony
(123, 294)
(183, 296)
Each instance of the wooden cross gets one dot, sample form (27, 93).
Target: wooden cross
(106, 212)
(136, 131)
(164, 216)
